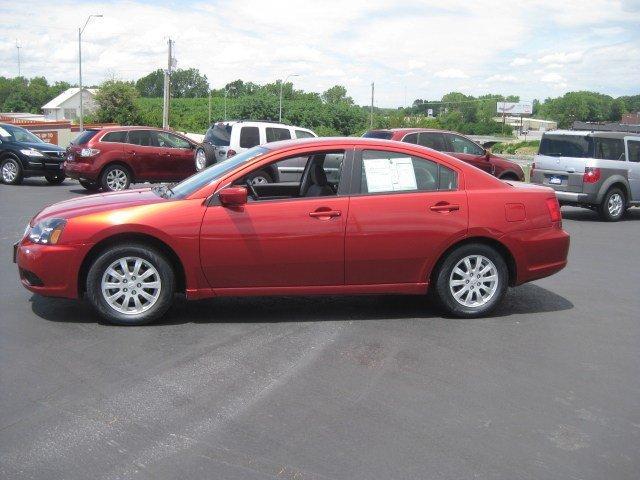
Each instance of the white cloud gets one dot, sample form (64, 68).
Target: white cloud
(451, 73)
(552, 78)
(561, 58)
(500, 78)
(520, 61)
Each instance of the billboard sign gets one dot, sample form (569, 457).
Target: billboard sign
(515, 108)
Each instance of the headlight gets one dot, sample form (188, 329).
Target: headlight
(89, 152)
(48, 231)
(31, 152)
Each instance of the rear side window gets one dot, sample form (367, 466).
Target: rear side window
(304, 134)
(448, 179)
(386, 172)
(140, 137)
(610, 148)
(381, 134)
(84, 137)
(219, 135)
(578, 146)
(432, 140)
(115, 137)
(249, 137)
(276, 134)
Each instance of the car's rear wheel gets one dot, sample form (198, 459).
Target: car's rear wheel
(115, 178)
(11, 171)
(613, 205)
(471, 280)
(55, 179)
(200, 159)
(91, 186)
(131, 284)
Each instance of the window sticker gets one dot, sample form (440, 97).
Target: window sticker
(390, 174)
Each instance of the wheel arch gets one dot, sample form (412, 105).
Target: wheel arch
(491, 242)
(612, 182)
(140, 238)
(10, 154)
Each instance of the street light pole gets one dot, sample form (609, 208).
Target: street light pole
(281, 84)
(80, 30)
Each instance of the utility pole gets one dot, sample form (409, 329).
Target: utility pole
(371, 112)
(80, 30)
(167, 87)
(19, 69)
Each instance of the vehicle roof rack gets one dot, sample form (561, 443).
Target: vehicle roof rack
(248, 120)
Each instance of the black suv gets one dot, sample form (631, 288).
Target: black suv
(22, 154)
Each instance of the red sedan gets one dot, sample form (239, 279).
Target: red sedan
(366, 217)
(456, 145)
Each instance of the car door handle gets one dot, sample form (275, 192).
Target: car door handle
(444, 207)
(325, 214)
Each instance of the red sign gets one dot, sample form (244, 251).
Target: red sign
(49, 137)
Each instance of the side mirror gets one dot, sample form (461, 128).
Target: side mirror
(233, 196)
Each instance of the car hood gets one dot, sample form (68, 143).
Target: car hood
(49, 147)
(98, 203)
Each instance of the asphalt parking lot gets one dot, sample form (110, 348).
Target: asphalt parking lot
(329, 388)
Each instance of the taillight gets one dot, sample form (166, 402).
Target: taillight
(591, 175)
(554, 209)
(230, 153)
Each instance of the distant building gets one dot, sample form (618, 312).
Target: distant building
(606, 127)
(66, 106)
(528, 123)
(631, 118)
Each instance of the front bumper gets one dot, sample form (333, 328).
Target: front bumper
(49, 270)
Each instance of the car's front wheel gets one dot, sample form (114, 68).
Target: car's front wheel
(131, 284)
(613, 205)
(115, 178)
(55, 179)
(11, 171)
(200, 159)
(471, 280)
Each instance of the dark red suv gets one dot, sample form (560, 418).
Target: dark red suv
(113, 157)
(455, 145)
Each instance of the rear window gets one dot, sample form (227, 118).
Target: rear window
(578, 146)
(275, 134)
(383, 134)
(219, 135)
(84, 137)
(304, 134)
(115, 137)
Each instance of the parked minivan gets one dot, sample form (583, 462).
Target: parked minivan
(596, 170)
(223, 140)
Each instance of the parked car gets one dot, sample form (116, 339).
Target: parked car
(112, 158)
(596, 170)
(396, 218)
(22, 154)
(223, 140)
(456, 145)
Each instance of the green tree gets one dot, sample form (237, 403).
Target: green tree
(151, 85)
(189, 83)
(117, 103)
(335, 95)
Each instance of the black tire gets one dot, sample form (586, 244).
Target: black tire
(613, 205)
(91, 186)
(119, 171)
(55, 179)
(261, 176)
(443, 292)
(113, 254)
(510, 177)
(14, 174)
(200, 159)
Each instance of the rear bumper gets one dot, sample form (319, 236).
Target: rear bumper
(575, 198)
(50, 270)
(574, 192)
(79, 170)
(538, 253)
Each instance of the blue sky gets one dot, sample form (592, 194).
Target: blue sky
(422, 49)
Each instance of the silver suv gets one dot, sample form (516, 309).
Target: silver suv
(597, 170)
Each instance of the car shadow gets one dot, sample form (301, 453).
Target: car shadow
(586, 215)
(526, 299)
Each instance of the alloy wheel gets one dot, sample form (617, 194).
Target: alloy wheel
(9, 172)
(131, 285)
(473, 281)
(116, 179)
(201, 160)
(615, 205)
(259, 180)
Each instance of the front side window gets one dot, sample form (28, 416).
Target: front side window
(249, 137)
(140, 137)
(276, 134)
(462, 145)
(304, 134)
(115, 137)
(610, 148)
(9, 133)
(385, 172)
(432, 140)
(411, 138)
(168, 140)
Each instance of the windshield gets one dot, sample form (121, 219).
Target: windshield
(213, 173)
(577, 146)
(383, 134)
(219, 135)
(10, 133)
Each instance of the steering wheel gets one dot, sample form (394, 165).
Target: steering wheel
(252, 189)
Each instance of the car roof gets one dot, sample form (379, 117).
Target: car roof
(255, 123)
(589, 133)
(411, 130)
(324, 141)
